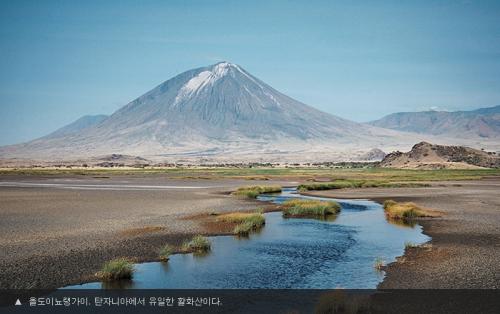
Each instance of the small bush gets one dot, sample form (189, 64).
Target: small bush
(307, 208)
(254, 191)
(116, 269)
(165, 252)
(406, 210)
(197, 244)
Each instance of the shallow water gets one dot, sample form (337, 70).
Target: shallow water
(288, 253)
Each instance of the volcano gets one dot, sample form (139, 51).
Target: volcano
(218, 112)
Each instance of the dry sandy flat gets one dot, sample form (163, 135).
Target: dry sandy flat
(465, 245)
(55, 231)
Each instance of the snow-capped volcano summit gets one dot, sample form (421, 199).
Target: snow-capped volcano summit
(218, 109)
(223, 102)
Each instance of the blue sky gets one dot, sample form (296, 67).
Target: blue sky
(359, 60)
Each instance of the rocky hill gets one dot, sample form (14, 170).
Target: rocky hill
(428, 156)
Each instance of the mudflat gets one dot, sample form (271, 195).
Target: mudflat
(465, 248)
(56, 231)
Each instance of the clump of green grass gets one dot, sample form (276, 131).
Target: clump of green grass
(254, 191)
(247, 222)
(117, 269)
(309, 208)
(406, 210)
(344, 184)
(244, 228)
(165, 252)
(379, 264)
(197, 244)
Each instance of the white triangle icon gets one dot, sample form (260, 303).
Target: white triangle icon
(18, 302)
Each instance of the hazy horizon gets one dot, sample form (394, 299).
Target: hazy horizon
(63, 60)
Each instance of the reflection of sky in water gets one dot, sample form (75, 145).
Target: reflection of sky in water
(289, 253)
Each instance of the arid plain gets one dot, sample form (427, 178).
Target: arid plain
(57, 227)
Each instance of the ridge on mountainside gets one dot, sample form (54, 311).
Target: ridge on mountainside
(479, 123)
(218, 112)
(429, 156)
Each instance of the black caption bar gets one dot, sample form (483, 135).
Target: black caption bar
(250, 301)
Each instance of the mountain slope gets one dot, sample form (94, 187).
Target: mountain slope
(428, 156)
(219, 112)
(78, 125)
(480, 123)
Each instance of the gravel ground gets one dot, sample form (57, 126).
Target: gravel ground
(465, 248)
(59, 231)
(56, 231)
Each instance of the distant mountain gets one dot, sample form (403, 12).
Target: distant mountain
(219, 112)
(78, 125)
(480, 123)
(428, 156)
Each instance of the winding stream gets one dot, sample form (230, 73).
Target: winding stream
(287, 253)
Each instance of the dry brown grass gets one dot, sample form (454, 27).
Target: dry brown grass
(236, 217)
(254, 191)
(247, 222)
(407, 210)
(309, 208)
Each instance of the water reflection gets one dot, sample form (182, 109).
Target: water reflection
(408, 223)
(339, 251)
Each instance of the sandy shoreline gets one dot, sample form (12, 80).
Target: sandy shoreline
(54, 237)
(465, 245)
(70, 230)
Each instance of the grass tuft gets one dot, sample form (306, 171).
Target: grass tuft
(247, 222)
(117, 269)
(406, 210)
(244, 228)
(309, 208)
(254, 191)
(197, 244)
(165, 252)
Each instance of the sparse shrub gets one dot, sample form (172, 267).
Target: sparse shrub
(117, 269)
(247, 222)
(254, 191)
(389, 203)
(244, 228)
(307, 208)
(165, 252)
(406, 210)
(197, 244)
